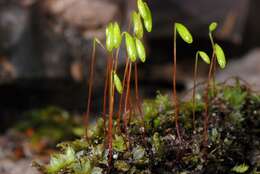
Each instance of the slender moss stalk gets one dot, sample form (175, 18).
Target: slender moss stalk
(206, 117)
(194, 89)
(137, 90)
(90, 85)
(176, 102)
(121, 96)
(213, 60)
(206, 59)
(105, 92)
(111, 110)
(127, 98)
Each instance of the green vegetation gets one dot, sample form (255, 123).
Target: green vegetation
(39, 124)
(232, 140)
(163, 136)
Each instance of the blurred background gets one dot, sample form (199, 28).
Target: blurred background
(45, 48)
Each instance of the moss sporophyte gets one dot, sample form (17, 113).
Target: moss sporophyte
(164, 136)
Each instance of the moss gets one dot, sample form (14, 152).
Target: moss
(234, 129)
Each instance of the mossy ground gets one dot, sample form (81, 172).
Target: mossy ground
(149, 145)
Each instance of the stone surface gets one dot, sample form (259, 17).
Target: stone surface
(246, 67)
(17, 167)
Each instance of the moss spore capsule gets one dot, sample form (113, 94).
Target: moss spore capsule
(204, 57)
(148, 21)
(142, 9)
(117, 38)
(138, 26)
(220, 55)
(109, 37)
(140, 50)
(118, 83)
(130, 47)
(184, 33)
(213, 26)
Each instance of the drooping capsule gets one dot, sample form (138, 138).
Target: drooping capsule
(140, 49)
(118, 83)
(138, 26)
(148, 21)
(184, 33)
(220, 55)
(117, 37)
(142, 9)
(130, 47)
(109, 37)
(213, 26)
(204, 56)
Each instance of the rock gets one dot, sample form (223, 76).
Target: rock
(16, 167)
(197, 15)
(246, 67)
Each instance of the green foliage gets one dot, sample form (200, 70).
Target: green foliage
(119, 144)
(50, 121)
(155, 152)
(121, 166)
(59, 161)
(235, 96)
(242, 168)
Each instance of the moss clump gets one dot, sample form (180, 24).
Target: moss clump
(39, 124)
(150, 145)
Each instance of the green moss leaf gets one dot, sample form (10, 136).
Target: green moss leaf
(97, 170)
(121, 166)
(184, 33)
(119, 144)
(138, 153)
(242, 168)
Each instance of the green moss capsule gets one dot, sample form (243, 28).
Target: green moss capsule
(148, 21)
(130, 47)
(213, 26)
(117, 83)
(204, 57)
(138, 26)
(109, 37)
(184, 33)
(142, 9)
(220, 56)
(117, 37)
(140, 49)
